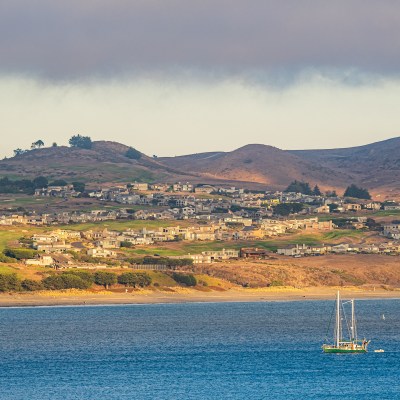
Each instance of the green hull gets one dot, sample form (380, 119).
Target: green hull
(344, 350)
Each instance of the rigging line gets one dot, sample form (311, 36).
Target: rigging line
(330, 321)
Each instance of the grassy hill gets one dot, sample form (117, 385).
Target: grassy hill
(375, 166)
(104, 162)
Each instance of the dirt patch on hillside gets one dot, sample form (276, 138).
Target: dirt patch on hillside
(333, 270)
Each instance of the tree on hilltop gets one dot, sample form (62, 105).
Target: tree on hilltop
(18, 152)
(82, 142)
(37, 145)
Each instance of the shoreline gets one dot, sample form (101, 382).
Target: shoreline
(183, 295)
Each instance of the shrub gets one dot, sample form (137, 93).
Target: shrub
(186, 279)
(30, 285)
(72, 281)
(9, 282)
(20, 254)
(83, 142)
(67, 280)
(5, 259)
(53, 282)
(85, 275)
(133, 154)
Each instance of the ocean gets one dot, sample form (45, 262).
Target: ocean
(269, 350)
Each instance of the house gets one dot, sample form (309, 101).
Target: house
(42, 260)
(290, 250)
(392, 231)
(208, 257)
(391, 206)
(250, 232)
(205, 189)
(223, 254)
(322, 209)
(100, 252)
(254, 253)
(352, 207)
(53, 247)
(141, 187)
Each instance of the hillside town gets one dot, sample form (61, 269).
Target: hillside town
(238, 220)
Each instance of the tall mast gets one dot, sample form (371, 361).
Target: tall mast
(337, 319)
(353, 321)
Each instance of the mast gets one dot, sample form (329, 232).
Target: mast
(353, 322)
(337, 319)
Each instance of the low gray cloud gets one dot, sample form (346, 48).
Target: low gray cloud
(80, 39)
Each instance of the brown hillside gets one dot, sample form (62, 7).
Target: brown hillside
(104, 162)
(375, 166)
(258, 163)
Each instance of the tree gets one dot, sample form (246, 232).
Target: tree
(285, 209)
(299, 187)
(316, 191)
(40, 182)
(357, 192)
(54, 144)
(83, 142)
(59, 182)
(333, 207)
(125, 243)
(85, 275)
(105, 278)
(18, 152)
(38, 144)
(331, 193)
(79, 186)
(133, 154)
(135, 279)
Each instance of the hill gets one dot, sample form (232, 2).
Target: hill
(374, 166)
(259, 163)
(104, 162)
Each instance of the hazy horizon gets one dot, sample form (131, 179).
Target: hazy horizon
(204, 76)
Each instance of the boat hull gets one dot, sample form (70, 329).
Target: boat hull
(336, 350)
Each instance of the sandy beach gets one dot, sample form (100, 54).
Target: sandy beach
(183, 295)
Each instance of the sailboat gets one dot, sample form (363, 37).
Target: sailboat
(341, 345)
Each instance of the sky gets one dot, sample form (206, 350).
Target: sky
(172, 77)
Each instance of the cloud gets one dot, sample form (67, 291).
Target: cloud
(178, 116)
(81, 39)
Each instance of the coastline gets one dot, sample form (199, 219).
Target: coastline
(184, 295)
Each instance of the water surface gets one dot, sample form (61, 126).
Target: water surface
(194, 351)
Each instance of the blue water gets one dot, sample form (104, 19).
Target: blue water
(194, 351)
